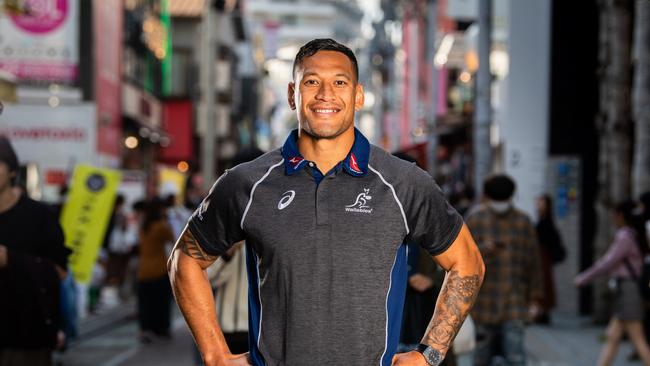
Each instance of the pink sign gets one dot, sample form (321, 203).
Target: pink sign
(42, 70)
(43, 16)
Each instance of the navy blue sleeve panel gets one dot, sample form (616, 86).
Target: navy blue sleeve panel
(215, 223)
(432, 222)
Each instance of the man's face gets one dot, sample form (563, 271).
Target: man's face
(5, 176)
(325, 94)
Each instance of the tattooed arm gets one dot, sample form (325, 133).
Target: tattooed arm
(465, 271)
(191, 287)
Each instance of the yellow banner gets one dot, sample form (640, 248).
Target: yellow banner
(171, 181)
(86, 215)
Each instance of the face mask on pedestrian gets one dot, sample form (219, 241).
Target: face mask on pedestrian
(499, 206)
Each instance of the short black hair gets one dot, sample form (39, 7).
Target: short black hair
(499, 187)
(324, 44)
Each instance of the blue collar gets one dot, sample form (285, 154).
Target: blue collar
(356, 163)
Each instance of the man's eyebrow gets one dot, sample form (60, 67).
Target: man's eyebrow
(314, 73)
(309, 73)
(344, 75)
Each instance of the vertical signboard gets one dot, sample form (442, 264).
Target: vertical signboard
(108, 24)
(563, 185)
(85, 216)
(40, 41)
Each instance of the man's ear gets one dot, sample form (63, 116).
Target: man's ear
(291, 89)
(359, 98)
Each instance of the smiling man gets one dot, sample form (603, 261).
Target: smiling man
(324, 219)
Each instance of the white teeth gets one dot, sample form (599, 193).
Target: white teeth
(325, 111)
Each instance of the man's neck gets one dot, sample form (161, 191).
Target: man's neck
(326, 153)
(8, 198)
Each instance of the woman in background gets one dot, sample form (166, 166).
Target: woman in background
(154, 289)
(624, 255)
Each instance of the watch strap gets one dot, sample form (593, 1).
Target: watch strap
(421, 348)
(431, 355)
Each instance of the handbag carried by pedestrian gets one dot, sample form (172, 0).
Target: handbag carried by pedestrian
(643, 279)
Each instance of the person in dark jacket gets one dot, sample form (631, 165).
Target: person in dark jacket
(32, 265)
(551, 252)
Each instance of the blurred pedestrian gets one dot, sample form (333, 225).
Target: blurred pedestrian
(33, 262)
(506, 238)
(69, 312)
(194, 191)
(552, 252)
(177, 214)
(623, 262)
(154, 291)
(462, 200)
(644, 202)
(120, 241)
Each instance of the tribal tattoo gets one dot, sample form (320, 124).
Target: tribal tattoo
(454, 302)
(191, 247)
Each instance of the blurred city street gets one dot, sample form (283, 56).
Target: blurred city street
(516, 130)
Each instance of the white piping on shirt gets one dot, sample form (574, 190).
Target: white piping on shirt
(250, 199)
(401, 208)
(259, 296)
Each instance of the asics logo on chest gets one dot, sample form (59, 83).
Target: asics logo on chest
(287, 198)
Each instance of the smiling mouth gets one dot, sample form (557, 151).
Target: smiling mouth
(325, 111)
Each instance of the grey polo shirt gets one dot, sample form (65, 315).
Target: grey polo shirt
(326, 254)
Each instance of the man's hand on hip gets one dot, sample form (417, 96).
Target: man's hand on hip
(412, 358)
(243, 359)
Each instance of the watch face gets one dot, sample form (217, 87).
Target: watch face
(432, 356)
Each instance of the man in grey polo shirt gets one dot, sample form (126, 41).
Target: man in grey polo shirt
(325, 219)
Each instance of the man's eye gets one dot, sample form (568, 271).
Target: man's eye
(311, 82)
(340, 82)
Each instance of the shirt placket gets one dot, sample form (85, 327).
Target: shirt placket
(322, 201)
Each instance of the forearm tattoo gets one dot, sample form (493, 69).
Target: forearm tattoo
(454, 302)
(191, 247)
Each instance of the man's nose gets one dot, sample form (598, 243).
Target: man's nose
(325, 92)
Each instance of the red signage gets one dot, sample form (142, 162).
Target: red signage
(56, 177)
(177, 122)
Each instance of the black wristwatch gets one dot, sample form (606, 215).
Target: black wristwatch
(431, 355)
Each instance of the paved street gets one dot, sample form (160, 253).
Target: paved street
(119, 346)
(571, 341)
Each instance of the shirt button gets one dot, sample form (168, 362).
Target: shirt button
(311, 164)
